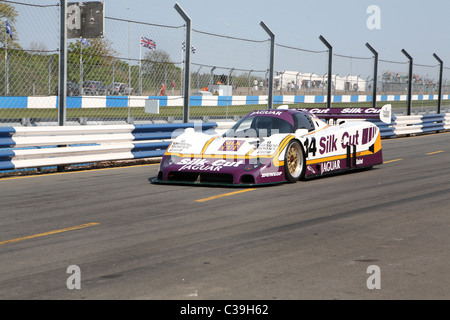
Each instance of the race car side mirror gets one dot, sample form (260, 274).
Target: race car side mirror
(301, 132)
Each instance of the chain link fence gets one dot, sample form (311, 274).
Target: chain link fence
(115, 75)
(28, 62)
(300, 71)
(354, 75)
(230, 68)
(110, 79)
(446, 81)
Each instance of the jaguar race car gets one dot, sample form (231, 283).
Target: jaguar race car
(275, 146)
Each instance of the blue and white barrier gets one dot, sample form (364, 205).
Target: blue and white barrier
(203, 101)
(415, 124)
(34, 147)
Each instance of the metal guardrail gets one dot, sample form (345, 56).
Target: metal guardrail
(415, 124)
(35, 147)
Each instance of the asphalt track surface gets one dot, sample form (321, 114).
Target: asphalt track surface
(311, 240)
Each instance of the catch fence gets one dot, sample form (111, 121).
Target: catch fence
(110, 79)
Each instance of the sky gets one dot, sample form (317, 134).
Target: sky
(420, 27)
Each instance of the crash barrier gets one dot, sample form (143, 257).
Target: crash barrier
(36, 147)
(51, 102)
(415, 124)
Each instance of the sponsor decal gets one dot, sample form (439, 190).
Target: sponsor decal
(352, 110)
(360, 110)
(349, 140)
(271, 174)
(207, 165)
(266, 112)
(330, 166)
(316, 110)
(359, 161)
(178, 146)
(343, 110)
(267, 148)
(328, 144)
(231, 145)
(311, 169)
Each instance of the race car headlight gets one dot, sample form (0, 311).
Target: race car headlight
(169, 160)
(253, 165)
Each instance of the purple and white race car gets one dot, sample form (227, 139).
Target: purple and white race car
(275, 146)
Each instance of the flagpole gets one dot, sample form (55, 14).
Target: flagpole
(140, 66)
(129, 67)
(8, 31)
(6, 64)
(182, 69)
(81, 65)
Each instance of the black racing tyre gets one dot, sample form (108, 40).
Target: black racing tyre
(294, 162)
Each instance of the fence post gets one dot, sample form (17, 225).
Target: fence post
(4, 21)
(248, 82)
(441, 70)
(211, 78)
(409, 81)
(62, 94)
(49, 67)
(271, 63)
(6, 68)
(375, 75)
(330, 62)
(187, 63)
(62, 64)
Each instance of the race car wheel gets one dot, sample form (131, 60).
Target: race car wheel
(294, 162)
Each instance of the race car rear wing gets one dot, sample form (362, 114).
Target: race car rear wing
(384, 114)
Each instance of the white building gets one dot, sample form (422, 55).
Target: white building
(295, 80)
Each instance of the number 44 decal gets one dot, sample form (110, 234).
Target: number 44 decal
(310, 147)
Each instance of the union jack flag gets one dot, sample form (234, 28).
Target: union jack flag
(148, 43)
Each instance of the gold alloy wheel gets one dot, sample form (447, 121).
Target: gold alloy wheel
(292, 160)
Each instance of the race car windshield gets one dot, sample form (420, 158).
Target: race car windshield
(259, 126)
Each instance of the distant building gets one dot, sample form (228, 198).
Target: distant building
(288, 80)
